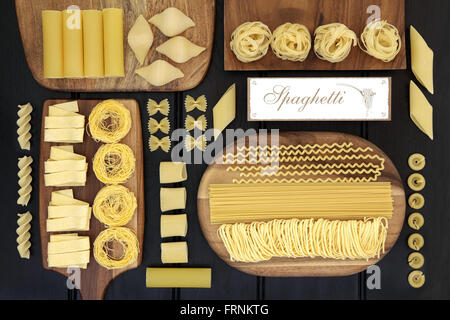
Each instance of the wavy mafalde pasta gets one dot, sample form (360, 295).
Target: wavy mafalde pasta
(25, 180)
(155, 126)
(109, 121)
(128, 253)
(381, 40)
(114, 205)
(308, 180)
(291, 41)
(24, 126)
(114, 163)
(315, 166)
(310, 238)
(154, 107)
(266, 153)
(190, 104)
(23, 235)
(250, 41)
(333, 42)
(231, 203)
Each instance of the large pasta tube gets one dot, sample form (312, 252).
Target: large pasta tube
(52, 44)
(172, 199)
(172, 172)
(174, 225)
(113, 42)
(174, 252)
(73, 43)
(93, 43)
(178, 278)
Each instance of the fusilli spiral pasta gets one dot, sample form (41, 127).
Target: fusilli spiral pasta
(23, 235)
(24, 125)
(25, 180)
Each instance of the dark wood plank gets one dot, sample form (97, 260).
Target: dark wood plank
(313, 13)
(95, 278)
(201, 11)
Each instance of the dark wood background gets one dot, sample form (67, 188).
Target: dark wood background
(21, 279)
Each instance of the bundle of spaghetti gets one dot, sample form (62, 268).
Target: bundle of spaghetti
(109, 121)
(381, 40)
(113, 240)
(114, 163)
(230, 203)
(295, 238)
(114, 205)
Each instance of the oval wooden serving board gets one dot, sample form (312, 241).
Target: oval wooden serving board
(202, 12)
(95, 278)
(314, 13)
(302, 267)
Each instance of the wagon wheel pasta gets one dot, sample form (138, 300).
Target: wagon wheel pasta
(294, 238)
(250, 41)
(381, 40)
(291, 42)
(333, 42)
(103, 251)
(109, 121)
(114, 205)
(114, 163)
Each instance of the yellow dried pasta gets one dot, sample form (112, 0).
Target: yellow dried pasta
(104, 254)
(109, 121)
(333, 42)
(24, 126)
(191, 123)
(153, 107)
(291, 41)
(23, 235)
(250, 41)
(25, 180)
(114, 163)
(381, 40)
(155, 126)
(114, 205)
(191, 104)
(294, 238)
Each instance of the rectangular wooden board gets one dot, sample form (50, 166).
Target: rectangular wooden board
(95, 278)
(202, 12)
(313, 13)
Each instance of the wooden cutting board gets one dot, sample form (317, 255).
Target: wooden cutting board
(95, 278)
(302, 267)
(202, 12)
(313, 13)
